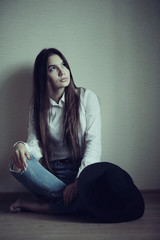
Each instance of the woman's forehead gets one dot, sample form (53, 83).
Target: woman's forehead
(54, 59)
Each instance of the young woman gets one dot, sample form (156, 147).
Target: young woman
(64, 137)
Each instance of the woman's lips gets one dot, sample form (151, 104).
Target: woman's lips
(63, 79)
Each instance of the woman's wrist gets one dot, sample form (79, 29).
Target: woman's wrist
(19, 142)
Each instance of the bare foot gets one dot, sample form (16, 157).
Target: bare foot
(17, 206)
(30, 205)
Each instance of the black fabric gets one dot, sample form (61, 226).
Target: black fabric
(109, 193)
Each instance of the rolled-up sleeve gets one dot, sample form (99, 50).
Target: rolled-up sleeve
(32, 143)
(92, 152)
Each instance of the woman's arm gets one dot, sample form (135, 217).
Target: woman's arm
(32, 143)
(92, 152)
(70, 192)
(21, 149)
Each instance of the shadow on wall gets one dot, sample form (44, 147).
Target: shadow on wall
(15, 96)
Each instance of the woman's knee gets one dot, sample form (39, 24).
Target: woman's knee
(13, 167)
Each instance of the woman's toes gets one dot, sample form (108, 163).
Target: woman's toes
(16, 210)
(17, 206)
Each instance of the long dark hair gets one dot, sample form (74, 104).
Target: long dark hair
(41, 105)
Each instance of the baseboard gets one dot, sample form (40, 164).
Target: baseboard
(21, 194)
(13, 195)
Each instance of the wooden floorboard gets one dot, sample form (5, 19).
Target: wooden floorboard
(39, 226)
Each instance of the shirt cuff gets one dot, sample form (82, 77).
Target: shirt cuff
(18, 142)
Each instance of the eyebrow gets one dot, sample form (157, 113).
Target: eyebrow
(52, 65)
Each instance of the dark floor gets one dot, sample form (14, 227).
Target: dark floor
(39, 226)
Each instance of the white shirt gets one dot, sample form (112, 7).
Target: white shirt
(90, 131)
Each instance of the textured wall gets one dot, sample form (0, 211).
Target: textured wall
(113, 49)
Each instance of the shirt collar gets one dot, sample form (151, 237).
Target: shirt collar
(61, 101)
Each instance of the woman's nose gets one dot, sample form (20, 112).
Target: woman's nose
(61, 72)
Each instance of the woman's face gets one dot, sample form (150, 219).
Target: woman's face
(58, 73)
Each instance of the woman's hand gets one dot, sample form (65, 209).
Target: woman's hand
(70, 192)
(19, 156)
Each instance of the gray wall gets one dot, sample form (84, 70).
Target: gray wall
(113, 49)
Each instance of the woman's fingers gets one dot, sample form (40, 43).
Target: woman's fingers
(23, 160)
(69, 196)
(27, 155)
(16, 160)
(19, 156)
(69, 193)
(19, 160)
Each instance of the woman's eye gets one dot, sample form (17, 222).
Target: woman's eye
(51, 69)
(64, 64)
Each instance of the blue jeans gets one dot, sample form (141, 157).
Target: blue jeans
(45, 185)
